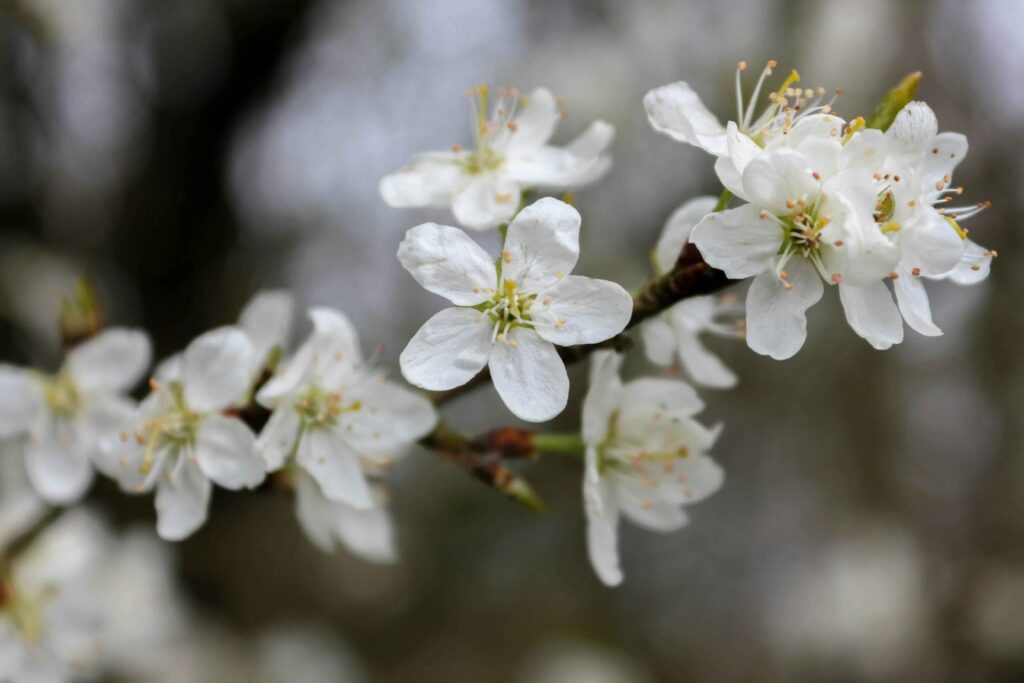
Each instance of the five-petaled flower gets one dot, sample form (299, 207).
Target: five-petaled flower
(335, 418)
(63, 417)
(645, 458)
(180, 438)
(509, 314)
(484, 185)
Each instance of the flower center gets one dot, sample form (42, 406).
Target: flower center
(507, 309)
(176, 426)
(785, 105)
(492, 128)
(320, 408)
(62, 396)
(802, 236)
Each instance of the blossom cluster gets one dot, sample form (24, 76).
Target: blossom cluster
(821, 201)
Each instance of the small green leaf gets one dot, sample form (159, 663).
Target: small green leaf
(893, 102)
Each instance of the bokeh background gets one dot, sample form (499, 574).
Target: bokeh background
(186, 154)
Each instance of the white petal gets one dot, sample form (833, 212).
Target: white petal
(872, 314)
(20, 401)
(729, 167)
(446, 261)
(777, 177)
(182, 502)
(486, 202)
(664, 395)
(931, 244)
(529, 376)
(551, 167)
(776, 316)
(704, 477)
(603, 394)
(659, 340)
(602, 534)
(429, 181)
(704, 367)
(677, 111)
(912, 300)
(335, 466)
(676, 232)
(114, 360)
(389, 419)
(738, 241)
(448, 350)
(368, 533)
(314, 512)
(593, 141)
(277, 439)
(226, 451)
(913, 129)
(974, 266)
(536, 122)
(57, 463)
(582, 310)
(216, 370)
(267, 319)
(945, 151)
(542, 245)
(660, 517)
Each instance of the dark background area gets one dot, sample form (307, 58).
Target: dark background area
(186, 154)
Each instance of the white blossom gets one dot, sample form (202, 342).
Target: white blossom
(180, 439)
(676, 332)
(645, 458)
(509, 316)
(63, 417)
(483, 186)
(20, 506)
(336, 419)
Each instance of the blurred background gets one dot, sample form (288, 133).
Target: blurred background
(186, 154)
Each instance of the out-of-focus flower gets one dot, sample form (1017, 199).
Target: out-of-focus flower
(484, 185)
(305, 653)
(509, 316)
(334, 417)
(20, 507)
(645, 458)
(676, 332)
(63, 417)
(267, 319)
(178, 440)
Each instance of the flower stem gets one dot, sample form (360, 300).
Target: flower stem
(570, 443)
(723, 201)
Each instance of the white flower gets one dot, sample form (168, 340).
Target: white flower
(367, 532)
(51, 614)
(180, 439)
(335, 416)
(484, 185)
(808, 220)
(645, 458)
(267, 319)
(912, 164)
(510, 316)
(64, 416)
(676, 332)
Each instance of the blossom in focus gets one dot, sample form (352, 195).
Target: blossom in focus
(484, 185)
(645, 458)
(509, 315)
(62, 417)
(675, 333)
(179, 439)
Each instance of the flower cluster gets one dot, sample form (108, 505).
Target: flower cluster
(827, 202)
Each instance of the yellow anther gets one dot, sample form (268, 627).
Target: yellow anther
(891, 226)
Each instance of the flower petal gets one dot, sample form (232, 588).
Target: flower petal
(335, 466)
(552, 167)
(872, 314)
(602, 398)
(677, 111)
(542, 245)
(776, 316)
(738, 241)
(277, 439)
(581, 310)
(267, 319)
(659, 340)
(913, 129)
(974, 266)
(448, 350)
(777, 177)
(912, 300)
(741, 150)
(486, 202)
(602, 532)
(20, 401)
(390, 418)
(216, 369)
(114, 360)
(182, 502)
(593, 141)
(536, 123)
(57, 463)
(660, 517)
(931, 244)
(314, 512)
(445, 261)
(367, 533)
(663, 395)
(676, 232)
(226, 451)
(429, 181)
(704, 367)
(946, 151)
(529, 375)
